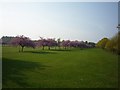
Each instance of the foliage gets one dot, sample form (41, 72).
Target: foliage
(51, 43)
(109, 45)
(102, 43)
(64, 43)
(112, 44)
(23, 42)
(47, 42)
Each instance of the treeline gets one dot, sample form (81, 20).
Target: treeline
(23, 41)
(112, 44)
(64, 43)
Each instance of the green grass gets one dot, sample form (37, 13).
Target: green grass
(75, 68)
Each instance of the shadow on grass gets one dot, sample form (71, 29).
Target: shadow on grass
(60, 50)
(40, 52)
(13, 75)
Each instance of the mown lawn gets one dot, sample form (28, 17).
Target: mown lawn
(75, 68)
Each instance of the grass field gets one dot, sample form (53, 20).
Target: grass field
(75, 68)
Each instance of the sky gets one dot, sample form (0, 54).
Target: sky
(87, 21)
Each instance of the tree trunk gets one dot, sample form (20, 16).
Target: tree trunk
(59, 47)
(22, 48)
(48, 48)
(65, 48)
(43, 48)
(19, 48)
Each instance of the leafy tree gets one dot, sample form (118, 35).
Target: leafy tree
(83, 44)
(114, 43)
(42, 42)
(109, 45)
(23, 42)
(65, 43)
(92, 44)
(75, 43)
(51, 43)
(47, 42)
(102, 43)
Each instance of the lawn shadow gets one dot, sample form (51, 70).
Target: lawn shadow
(13, 72)
(60, 50)
(40, 52)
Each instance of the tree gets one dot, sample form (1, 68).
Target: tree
(82, 44)
(51, 43)
(109, 45)
(42, 42)
(74, 43)
(23, 42)
(65, 43)
(92, 44)
(114, 43)
(102, 43)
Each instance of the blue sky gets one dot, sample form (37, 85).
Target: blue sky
(66, 20)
